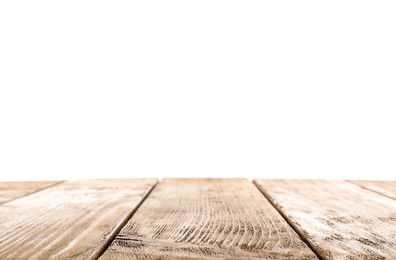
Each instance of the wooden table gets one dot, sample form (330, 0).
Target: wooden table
(198, 219)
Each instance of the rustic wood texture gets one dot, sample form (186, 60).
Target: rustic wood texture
(386, 188)
(13, 190)
(339, 220)
(73, 220)
(207, 219)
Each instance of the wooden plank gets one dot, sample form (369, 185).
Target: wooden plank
(207, 219)
(73, 220)
(338, 220)
(13, 190)
(386, 188)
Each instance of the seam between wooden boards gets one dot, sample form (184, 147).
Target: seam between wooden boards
(280, 211)
(33, 192)
(366, 188)
(99, 252)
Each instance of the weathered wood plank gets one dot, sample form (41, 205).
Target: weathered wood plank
(13, 190)
(386, 188)
(339, 220)
(73, 220)
(207, 219)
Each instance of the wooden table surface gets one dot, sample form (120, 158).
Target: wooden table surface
(198, 219)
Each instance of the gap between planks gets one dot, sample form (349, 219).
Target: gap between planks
(294, 227)
(19, 190)
(122, 223)
(384, 188)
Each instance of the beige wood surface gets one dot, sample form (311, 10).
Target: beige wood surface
(73, 220)
(386, 188)
(338, 219)
(207, 219)
(13, 190)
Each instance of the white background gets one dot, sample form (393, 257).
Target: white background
(257, 89)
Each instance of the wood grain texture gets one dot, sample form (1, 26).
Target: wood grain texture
(386, 188)
(338, 219)
(207, 219)
(13, 190)
(73, 220)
